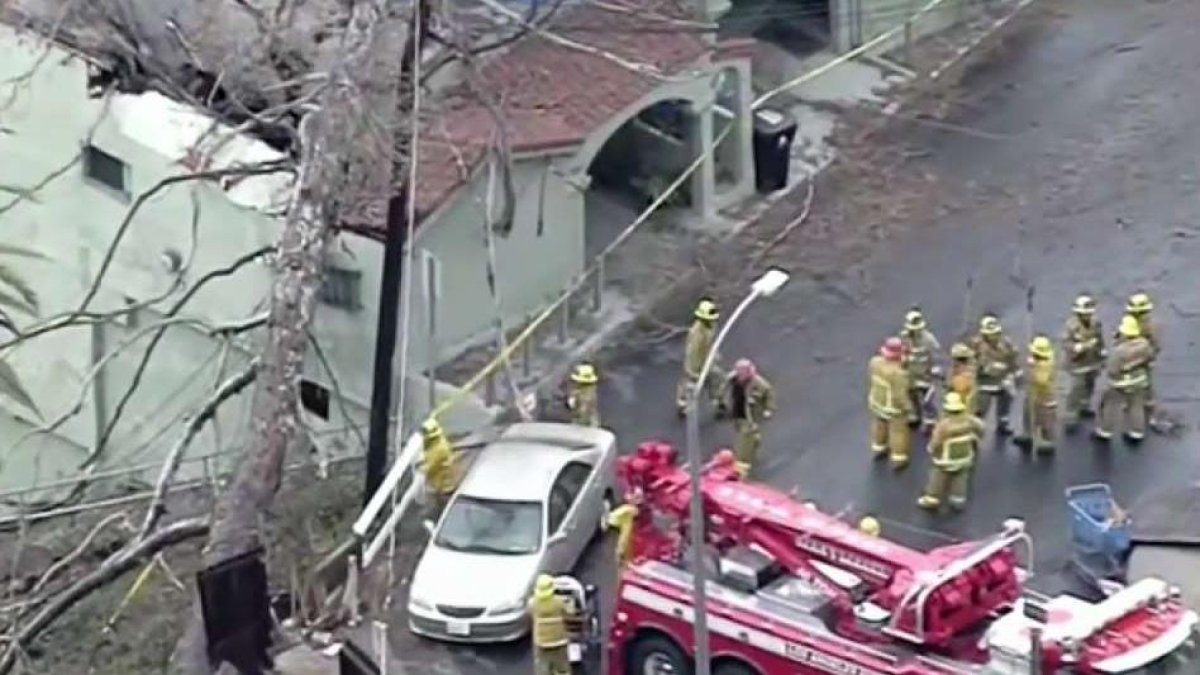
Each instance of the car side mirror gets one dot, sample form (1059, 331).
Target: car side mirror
(428, 525)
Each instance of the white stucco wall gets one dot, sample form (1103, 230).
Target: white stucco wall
(70, 220)
(45, 119)
(532, 267)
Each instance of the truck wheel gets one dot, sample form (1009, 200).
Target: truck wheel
(656, 655)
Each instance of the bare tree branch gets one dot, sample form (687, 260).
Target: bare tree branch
(69, 559)
(116, 565)
(228, 389)
(136, 380)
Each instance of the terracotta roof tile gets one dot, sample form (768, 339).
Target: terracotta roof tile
(552, 96)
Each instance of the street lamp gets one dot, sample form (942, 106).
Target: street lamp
(763, 287)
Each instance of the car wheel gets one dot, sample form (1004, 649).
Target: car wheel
(657, 655)
(606, 509)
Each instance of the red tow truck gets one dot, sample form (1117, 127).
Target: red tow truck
(794, 591)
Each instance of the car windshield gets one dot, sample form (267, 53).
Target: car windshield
(473, 525)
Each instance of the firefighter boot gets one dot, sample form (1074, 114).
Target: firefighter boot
(1136, 413)
(935, 489)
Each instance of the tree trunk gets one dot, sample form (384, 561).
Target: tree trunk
(330, 136)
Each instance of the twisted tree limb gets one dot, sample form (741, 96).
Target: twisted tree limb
(116, 565)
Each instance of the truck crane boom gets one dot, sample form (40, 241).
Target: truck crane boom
(795, 585)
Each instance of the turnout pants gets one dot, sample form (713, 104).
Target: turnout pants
(949, 486)
(1039, 424)
(551, 660)
(891, 435)
(1003, 402)
(712, 387)
(924, 409)
(1122, 410)
(1079, 396)
(749, 439)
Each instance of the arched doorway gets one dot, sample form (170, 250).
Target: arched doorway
(634, 166)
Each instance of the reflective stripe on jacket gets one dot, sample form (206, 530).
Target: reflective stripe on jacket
(887, 388)
(548, 615)
(953, 441)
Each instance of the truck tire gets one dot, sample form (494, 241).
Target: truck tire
(657, 655)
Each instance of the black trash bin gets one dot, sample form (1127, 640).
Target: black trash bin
(774, 131)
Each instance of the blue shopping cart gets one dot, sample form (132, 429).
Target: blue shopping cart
(1100, 539)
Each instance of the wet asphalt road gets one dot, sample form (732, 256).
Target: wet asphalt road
(1098, 118)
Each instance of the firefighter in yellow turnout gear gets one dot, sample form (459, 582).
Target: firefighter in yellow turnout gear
(622, 518)
(699, 341)
(998, 370)
(1123, 403)
(1139, 307)
(548, 613)
(961, 378)
(1083, 349)
(440, 463)
(952, 447)
(583, 401)
(889, 403)
(1039, 415)
(750, 400)
(921, 349)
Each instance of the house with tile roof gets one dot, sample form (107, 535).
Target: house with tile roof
(643, 92)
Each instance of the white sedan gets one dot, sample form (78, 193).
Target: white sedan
(530, 503)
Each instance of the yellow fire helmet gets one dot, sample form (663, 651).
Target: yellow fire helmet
(961, 352)
(953, 403)
(431, 429)
(544, 586)
(584, 373)
(1041, 348)
(1084, 304)
(706, 310)
(1129, 328)
(989, 325)
(869, 526)
(914, 320)
(1139, 303)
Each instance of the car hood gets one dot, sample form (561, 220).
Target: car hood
(445, 577)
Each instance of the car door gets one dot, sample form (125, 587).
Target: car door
(564, 525)
(579, 479)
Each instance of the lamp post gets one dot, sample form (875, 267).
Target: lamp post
(763, 287)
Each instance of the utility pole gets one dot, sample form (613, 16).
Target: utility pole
(396, 238)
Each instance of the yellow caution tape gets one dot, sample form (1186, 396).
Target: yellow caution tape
(136, 588)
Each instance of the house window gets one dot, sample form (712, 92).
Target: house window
(341, 287)
(314, 398)
(103, 168)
